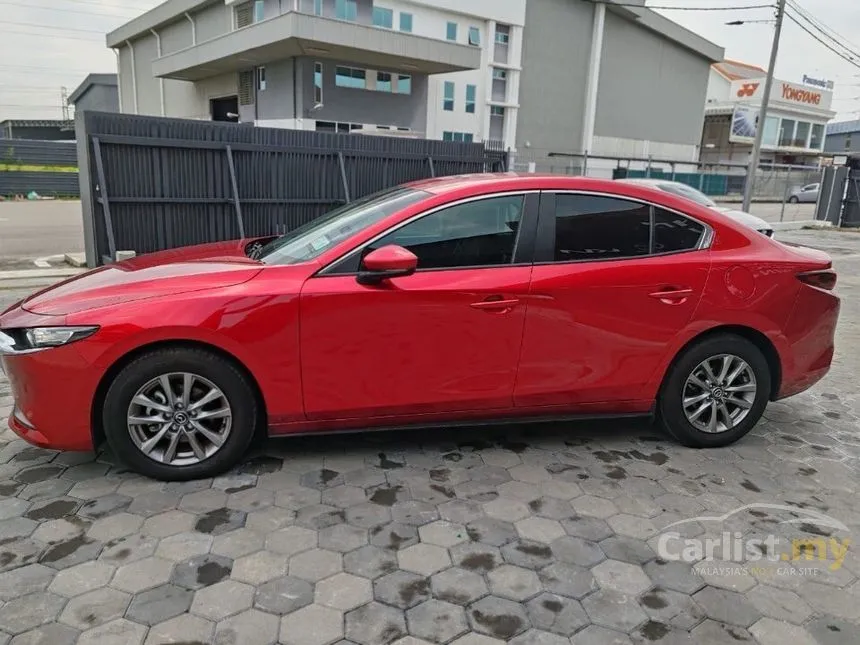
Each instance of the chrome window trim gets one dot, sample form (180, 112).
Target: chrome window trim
(324, 272)
(705, 240)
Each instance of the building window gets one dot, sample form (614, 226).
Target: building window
(259, 10)
(346, 10)
(502, 34)
(350, 77)
(383, 17)
(448, 102)
(848, 142)
(470, 99)
(460, 137)
(770, 136)
(318, 83)
(318, 8)
(816, 139)
(801, 135)
(786, 132)
(261, 78)
(404, 84)
(383, 82)
(451, 31)
(499, 74)
(496, 110)
(474, 36)
(243, 15)
(406, 22)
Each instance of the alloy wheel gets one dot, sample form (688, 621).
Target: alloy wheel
(179, 419)
(719, 393)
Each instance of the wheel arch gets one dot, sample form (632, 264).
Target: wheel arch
(97, 425)
(757, 338)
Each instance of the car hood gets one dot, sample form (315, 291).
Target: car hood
(177, 271)
(746, 219)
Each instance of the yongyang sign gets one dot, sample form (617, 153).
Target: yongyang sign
(750, 91)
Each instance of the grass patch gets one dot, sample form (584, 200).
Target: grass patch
(7, 167)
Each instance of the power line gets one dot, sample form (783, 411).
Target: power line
(736, 8)
(78, 11)
(831, 33)
(36, 24)
(842, 55)
(36, 33)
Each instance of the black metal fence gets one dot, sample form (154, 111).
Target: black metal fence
(46, 167)
(151, 183)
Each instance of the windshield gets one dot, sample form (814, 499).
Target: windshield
(317, 236)
(690, 193)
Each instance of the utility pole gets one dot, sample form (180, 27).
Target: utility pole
(64, 102)
(762, 115)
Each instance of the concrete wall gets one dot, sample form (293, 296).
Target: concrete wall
(213, 21)
(556, 45)
(842, 143)
(101, 98)
(276, 101)
(650, 88)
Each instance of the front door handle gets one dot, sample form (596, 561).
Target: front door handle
(672, 295)
(496, 304)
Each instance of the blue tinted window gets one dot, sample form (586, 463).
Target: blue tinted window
(470, 99)
(350, 77)
(405, 21)
(448, 101)
(383, 17)
(404, 84)
(345, 10)
(451, 32)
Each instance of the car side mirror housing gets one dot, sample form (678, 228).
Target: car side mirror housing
(387, 262)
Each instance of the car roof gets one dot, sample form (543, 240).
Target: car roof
(491, 182)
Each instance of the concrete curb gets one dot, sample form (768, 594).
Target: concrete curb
(799, 224)
(34, 278)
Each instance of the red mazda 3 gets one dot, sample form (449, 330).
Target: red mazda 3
(454, 300)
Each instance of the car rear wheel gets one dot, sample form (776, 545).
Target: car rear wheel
(179, 414)
(716, 392)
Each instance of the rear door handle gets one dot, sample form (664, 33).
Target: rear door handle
(672, 296)
(496, 304)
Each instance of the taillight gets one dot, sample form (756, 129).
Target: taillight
(825, 279)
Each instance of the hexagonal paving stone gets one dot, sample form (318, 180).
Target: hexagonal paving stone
(343, 592)
(284, 595)
(259, 567)
(370, 562)
(567, 580)
(222, 600)
(311, 625)
(201, 571)
(183, 546)
(615, 610)
(587, 528)
(594, 507)
(168, 523)
(250, 626)
(25, 580)
(621, 576)
(513, 582)
(344, 496)
(460, 511)
(60, 530)
(182, 629)
(68, 553)
(574, 550)
(727, 575)
(726, 606)
(203, 501)
(117, 632)
(142, 575)
(319, 516)
(295, 497)
(368, 515)
(291, 540)
(627, 549)
(26, 612)
(219, 521)
(711, 632)
(316, 564)
(104, 506)
(539, 529)
(458, 586)
(491, 531)
(497, 617)
(157, 605)
(342, 537)
(780, 604)
(52, 509)
(414, 513)
(128, 549)
(506, 509)
(550, 612)
(237, 543)
(443, 533)
(49, 634)
(81, 578)
(394, 536)
(401, 589)
(95, 608)
(436, 621)
(671, 608)
(375, 624)
(679, 576)
(425, 559)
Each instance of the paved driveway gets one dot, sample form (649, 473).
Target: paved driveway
(532, 535)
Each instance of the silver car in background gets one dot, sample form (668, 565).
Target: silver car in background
(699, 197)
(805, 195)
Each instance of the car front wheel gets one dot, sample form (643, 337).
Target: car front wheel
(715, 392)
(179, 414)
(793, 199)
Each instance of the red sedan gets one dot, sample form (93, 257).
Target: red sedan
(454, 300)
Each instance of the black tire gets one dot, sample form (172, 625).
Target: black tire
(793, 200)
(670, 405)
(221, 372)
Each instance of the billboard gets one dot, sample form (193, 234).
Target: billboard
(744, 124)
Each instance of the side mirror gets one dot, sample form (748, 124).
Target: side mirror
(390, 261)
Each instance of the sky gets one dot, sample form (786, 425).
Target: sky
(46, 45)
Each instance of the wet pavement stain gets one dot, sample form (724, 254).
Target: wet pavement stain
(653, 631)
(29, 454)
(453, 456)
(536, 505)
(387, 464)
(444, 490)
(483, 562)
(39, 474)
(616, 473)
(440, 474)
(807, 471)
(386, 496)
(52, 510)
(652, 600)
(413, 590)
(260, 466)
(537, 550)
(64, 549)
(502, 626)
(552, 605)
(239, 489)
(833, 415)
(212, 520)
(211, 573)
(10, 489)
(790, 439)
(750, 486)
(806, 527)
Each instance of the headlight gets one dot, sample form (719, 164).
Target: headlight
(20, 341)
